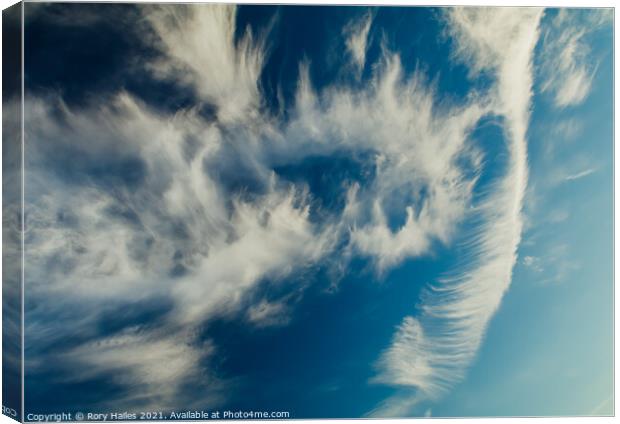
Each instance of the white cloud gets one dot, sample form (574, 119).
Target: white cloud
(571, 169)
(199, 41)
(568, 67)
(173, 235)
(457, 310)
(528, 260)
(266, 314)
(356, 33)
(151, 366)
(174, 231)
(580, 174)
(416, 146)
(399, 405)
(532, 263)
(557, 260)
(272, 239)
(407, 362)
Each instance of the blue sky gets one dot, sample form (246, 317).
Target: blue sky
(332, 211)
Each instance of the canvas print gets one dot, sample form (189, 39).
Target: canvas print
(220, 211)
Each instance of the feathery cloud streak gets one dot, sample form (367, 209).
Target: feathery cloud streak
(356, 41)
(432, 352)
(567, 66)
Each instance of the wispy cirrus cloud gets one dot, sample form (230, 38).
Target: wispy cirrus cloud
(144, 211)
(356, 40)
(266, 314)
(146, 208)
(156, 205)
(553, 266)
(570, 170)
(431, 353)
(415, 147)
(580, 174)
(568, 66)
(152, 367)
(200, 50)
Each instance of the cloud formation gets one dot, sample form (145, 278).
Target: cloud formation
(195, 209)
(356, 40)
(431, 353)
(201, 51)
(568, 66)
(580, 174)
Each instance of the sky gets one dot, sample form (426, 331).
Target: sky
(331, 211)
